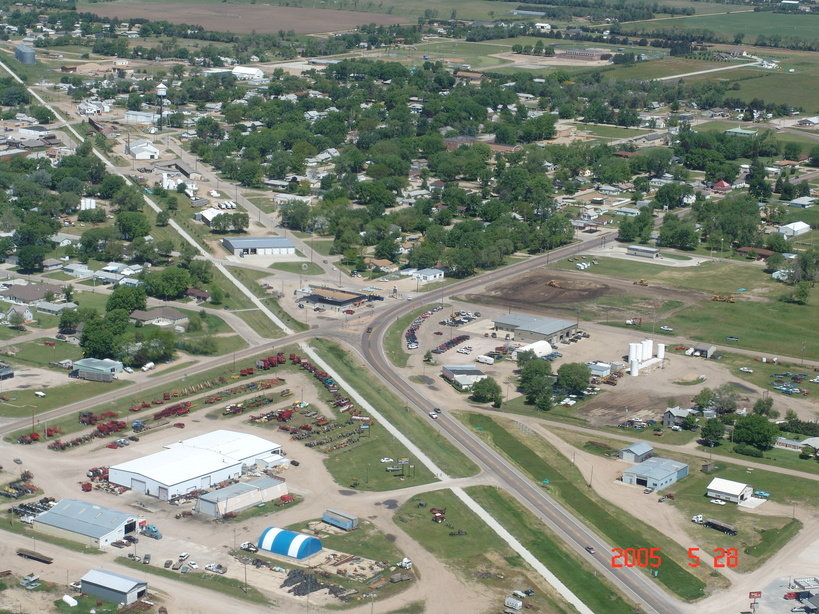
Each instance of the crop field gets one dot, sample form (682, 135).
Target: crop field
(748, 23)
(243, 19)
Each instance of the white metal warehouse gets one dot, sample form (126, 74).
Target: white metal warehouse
(241, 496)
(728, 490)
(193, 464)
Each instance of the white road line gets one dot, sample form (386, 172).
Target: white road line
(473, 505)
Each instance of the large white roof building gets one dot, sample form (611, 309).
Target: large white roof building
(192, 464)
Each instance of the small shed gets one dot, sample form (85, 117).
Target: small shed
(340, 520)
(288, 543)
(599, 369)
(705, 350)
(636, 452)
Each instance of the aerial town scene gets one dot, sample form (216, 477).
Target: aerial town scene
(465, 307)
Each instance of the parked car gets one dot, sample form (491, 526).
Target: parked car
(349, 312)
(433, 415)
(746, 370)
(732, 338)
(667, 329)
(387, 459)
(193, 565)
(183, 556)
(146, 559)
(717, 502)
(648, 491)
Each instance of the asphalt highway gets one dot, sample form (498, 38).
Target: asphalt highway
(639, 587)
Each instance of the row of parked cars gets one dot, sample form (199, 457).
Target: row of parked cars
(448, 345)
(410, 335)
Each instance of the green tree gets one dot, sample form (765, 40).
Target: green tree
(536, 379)
(573, 377)
(689, 422)
(163, 218)
(217, 295)
(755, 430)
(764, 407)
(713, 431)
(132, 224)
(704, 398)
(487, 390)
(30, 258)
(127, 299)
(800, 294)
(69, 321)
(17, 320)
(168, 284)
(525, 357)
(97, 341)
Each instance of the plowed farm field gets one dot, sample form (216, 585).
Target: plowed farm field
(243, 19)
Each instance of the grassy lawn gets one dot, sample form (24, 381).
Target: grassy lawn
(764, 327)
(249, 279)
(536, 537)
(663, 67)
(231, 343)
(480, 550)
(609, 132)
(541, 461)
(759, 536)
(300, 268)
(22, 403)
(322, 246)
(394, 337)
(202, 579)
(38, 354)
(365, 541)
(91, 300)
(445, 455)
(87, 604)
(477, 55)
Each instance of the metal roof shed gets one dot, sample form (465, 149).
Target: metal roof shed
(112, 586)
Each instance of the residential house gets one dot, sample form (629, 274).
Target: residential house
(54, 309)
(63, 239)
(675, 416)
(794, 229)
(382, 264)
(78, 270)
(29, 294)
(159, 316)
(52, 264)
(197, 294)
(427, 275)
(609, 190)
(722, 187)
(23, 310)
(803, 202)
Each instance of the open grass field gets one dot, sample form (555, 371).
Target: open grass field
(749, 23)
(243, 18)
(654, 69)
(480, 550)
(23, 403)
(455, 52)
(535, 536)
(610, 132)
(445, 455)
(300, 268)
(540, 460)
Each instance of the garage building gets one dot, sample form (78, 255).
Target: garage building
(528, 329)
(259, 246)
(728, 490)
(462, 377)
(84, 522)
(241, 496)
(288, 543)
(111, 586)
(193, 464)
(656, 473)
(636, 452)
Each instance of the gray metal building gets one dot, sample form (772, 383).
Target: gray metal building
(241, 496)
(528, 329)
(636, 452)
(24, 54)
(261, 246)
(656, 473)
(111, 586)
(86, 523)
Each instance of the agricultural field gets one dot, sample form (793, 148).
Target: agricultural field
(655, 69)
(748, 23)
(243, 19)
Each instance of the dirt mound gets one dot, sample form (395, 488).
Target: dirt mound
(534, 287)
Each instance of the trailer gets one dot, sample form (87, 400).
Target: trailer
(726, 528)
(340, 520)
(34, 556)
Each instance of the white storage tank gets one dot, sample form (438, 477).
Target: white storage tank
(635, 352)
(648, 349)
(635, 369)
(661, 350)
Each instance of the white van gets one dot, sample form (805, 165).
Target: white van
(487, 360)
